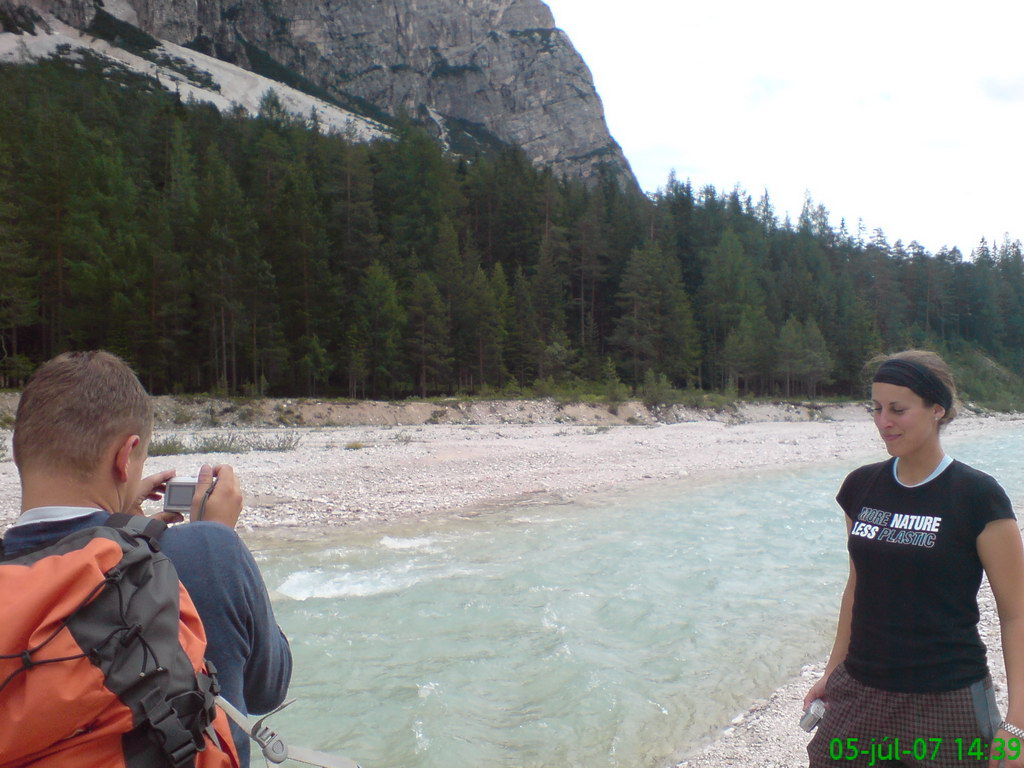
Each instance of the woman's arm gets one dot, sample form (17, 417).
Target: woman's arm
(1002, 555)
(842, 642)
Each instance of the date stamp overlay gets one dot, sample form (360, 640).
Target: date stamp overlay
(881, 751)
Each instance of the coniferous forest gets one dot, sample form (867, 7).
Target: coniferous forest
(221, 253)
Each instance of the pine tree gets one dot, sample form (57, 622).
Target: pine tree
(504, 316)
(346, 184)
(817, 362)
(163, 322)
(272, 110)
(637, 331)
(524, 347)
(300, 258)
(504, 198)
(427, 335)
(655, 328)
(172, 248)
(105, 270)
(1010, 267)
(550, 284)
(983, 323)
(53, 148)
(181, 191)
(482, 318)
(589, 254)
(802, 356)
(789, 353)
(446, 261)
(415, 191)
(313, 363)
(383, 319)
(18, 303)
(730, 286)
(226, 263)
(746, 355)
(355, 358)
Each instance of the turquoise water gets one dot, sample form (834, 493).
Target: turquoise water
(620, 631)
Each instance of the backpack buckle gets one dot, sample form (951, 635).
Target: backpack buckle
(176, 742)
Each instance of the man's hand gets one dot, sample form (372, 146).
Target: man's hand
(152, 488)
(222, 503)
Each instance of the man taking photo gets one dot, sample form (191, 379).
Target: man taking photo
(81, 438)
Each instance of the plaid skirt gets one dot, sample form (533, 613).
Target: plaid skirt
(865, 726)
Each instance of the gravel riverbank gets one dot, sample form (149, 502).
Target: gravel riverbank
(410, 460)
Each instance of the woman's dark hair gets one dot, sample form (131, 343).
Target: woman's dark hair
(933, 364)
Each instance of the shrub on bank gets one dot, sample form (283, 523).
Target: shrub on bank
(228, 442)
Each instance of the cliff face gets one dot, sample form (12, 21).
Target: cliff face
(489, 66)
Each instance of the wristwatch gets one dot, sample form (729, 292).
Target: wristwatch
(1012, 729)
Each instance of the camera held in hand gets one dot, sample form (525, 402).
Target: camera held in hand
(813, 715)
(180, 492)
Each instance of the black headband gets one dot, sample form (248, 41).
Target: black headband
(917, 378)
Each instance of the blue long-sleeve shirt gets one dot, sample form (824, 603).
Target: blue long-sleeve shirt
(249, 650)
(251, 653)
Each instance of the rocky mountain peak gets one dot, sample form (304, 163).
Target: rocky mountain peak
(477, 71)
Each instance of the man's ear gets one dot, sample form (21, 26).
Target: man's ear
(124, 456)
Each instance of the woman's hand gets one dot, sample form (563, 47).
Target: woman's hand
(1007, 751)
(817, 691)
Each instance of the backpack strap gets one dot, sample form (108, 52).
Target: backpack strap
(148, 528)
(178, 744)
(162, 720)
(275, 749)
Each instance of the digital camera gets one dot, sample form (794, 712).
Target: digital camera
(179, 493)
(813, 715)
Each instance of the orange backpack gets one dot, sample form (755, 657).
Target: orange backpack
(101, 657)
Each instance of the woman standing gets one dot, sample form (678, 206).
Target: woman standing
(907, 680)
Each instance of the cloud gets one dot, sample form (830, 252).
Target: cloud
(764, 89)
(1004, 89)
(897, 113)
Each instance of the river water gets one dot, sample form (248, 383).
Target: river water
(618, 631)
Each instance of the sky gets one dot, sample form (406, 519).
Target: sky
(906, 115)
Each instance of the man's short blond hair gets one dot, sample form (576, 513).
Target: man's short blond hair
(72, 409)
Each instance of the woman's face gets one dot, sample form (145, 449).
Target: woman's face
(905, 423)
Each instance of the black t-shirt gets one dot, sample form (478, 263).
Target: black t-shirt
(915, 608)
